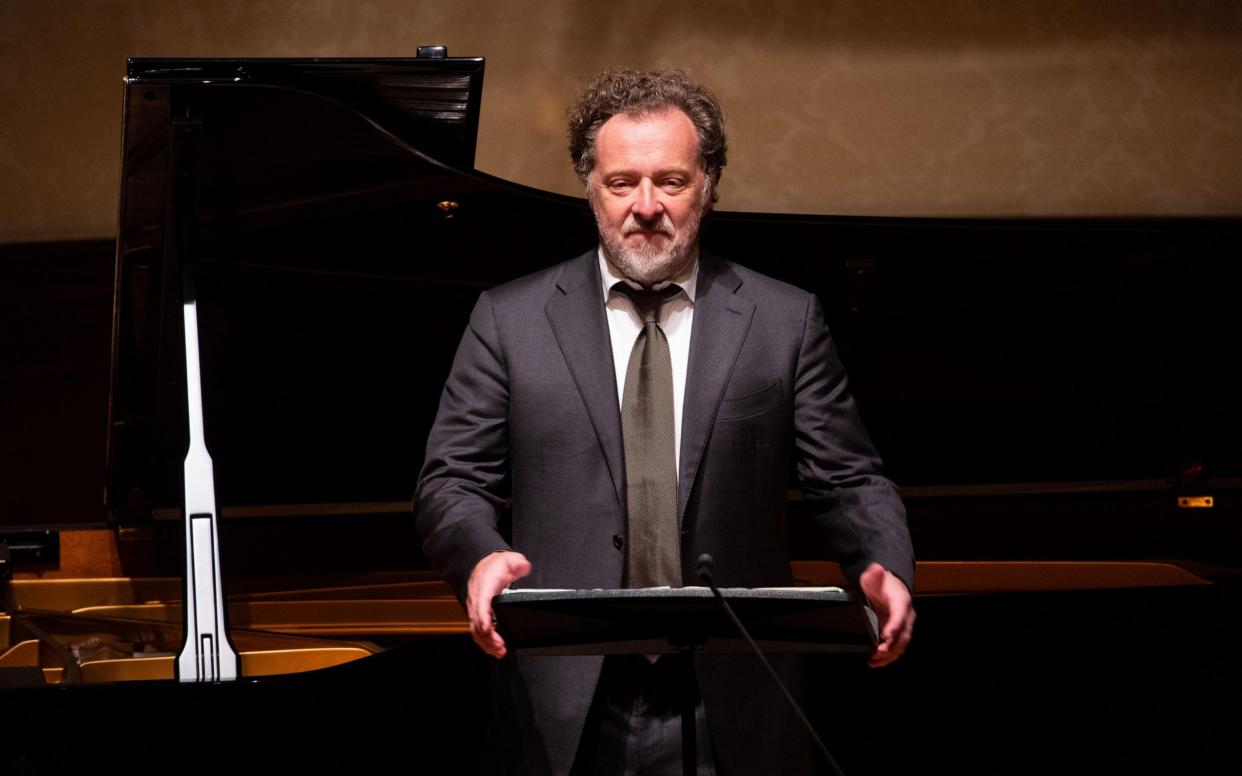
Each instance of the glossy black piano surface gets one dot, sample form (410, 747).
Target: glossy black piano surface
(1043, 391)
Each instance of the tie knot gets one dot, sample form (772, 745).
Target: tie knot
(648, 302)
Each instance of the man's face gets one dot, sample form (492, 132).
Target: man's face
(648, 194)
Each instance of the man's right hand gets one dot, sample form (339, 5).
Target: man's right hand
(492, 574)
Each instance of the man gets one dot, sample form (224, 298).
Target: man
(634, 433)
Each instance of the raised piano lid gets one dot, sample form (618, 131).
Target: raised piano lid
(284, 154)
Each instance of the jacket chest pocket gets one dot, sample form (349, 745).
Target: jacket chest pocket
(750, 404)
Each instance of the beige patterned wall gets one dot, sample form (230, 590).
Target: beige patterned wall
(889, 107)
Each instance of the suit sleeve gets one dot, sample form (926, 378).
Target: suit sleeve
(841, 474)
(461, 485)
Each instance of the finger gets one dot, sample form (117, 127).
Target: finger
(896, 615)
(498, 649)
(483, 626)
(895, 646)
(902, 623)
(882, 656)
(479, 610)
(906, 634)
(894, 638)
(489, 641)
(480, 618)
(485, 636)
(492, 644)
(886, 652)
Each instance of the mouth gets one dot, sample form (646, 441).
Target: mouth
(647, 234)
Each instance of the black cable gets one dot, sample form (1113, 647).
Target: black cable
(705, 574)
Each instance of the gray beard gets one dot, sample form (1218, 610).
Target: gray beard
(648, 265)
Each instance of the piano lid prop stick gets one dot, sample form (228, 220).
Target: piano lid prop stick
(207, 654)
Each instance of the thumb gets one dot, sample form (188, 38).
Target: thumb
(872, 583)
(517, 565)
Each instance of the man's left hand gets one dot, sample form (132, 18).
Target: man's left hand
(890, 598)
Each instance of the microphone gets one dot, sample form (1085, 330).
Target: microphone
(704, 568)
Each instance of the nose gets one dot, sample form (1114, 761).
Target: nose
(647, 205)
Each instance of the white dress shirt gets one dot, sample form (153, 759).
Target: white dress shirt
(676, 319)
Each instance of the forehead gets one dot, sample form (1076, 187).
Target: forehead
(661, 140)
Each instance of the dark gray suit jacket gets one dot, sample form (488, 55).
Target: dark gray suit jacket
(530, 410)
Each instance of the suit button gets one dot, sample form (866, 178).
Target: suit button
(617, 541)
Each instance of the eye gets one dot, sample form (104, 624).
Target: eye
(619, 185)
(673, 183)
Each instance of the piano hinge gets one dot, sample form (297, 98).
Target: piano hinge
(1194, 502)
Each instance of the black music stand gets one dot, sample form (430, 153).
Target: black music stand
(663, 620)
(652, 621)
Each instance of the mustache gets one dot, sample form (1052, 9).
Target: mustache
(661, 226)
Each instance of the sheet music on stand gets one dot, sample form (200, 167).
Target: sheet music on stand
(665, 620)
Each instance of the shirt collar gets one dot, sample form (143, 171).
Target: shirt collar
(688, 279)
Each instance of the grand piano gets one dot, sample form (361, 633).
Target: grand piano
(1056, 398)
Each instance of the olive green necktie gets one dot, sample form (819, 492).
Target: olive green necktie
(653, 555)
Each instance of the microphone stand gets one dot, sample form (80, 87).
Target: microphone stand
(704, 569)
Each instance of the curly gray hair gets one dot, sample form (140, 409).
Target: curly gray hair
(620, 90)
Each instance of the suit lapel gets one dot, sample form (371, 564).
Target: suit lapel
(721, 320)
(576, 313)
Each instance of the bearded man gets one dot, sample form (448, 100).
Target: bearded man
(643, 404)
